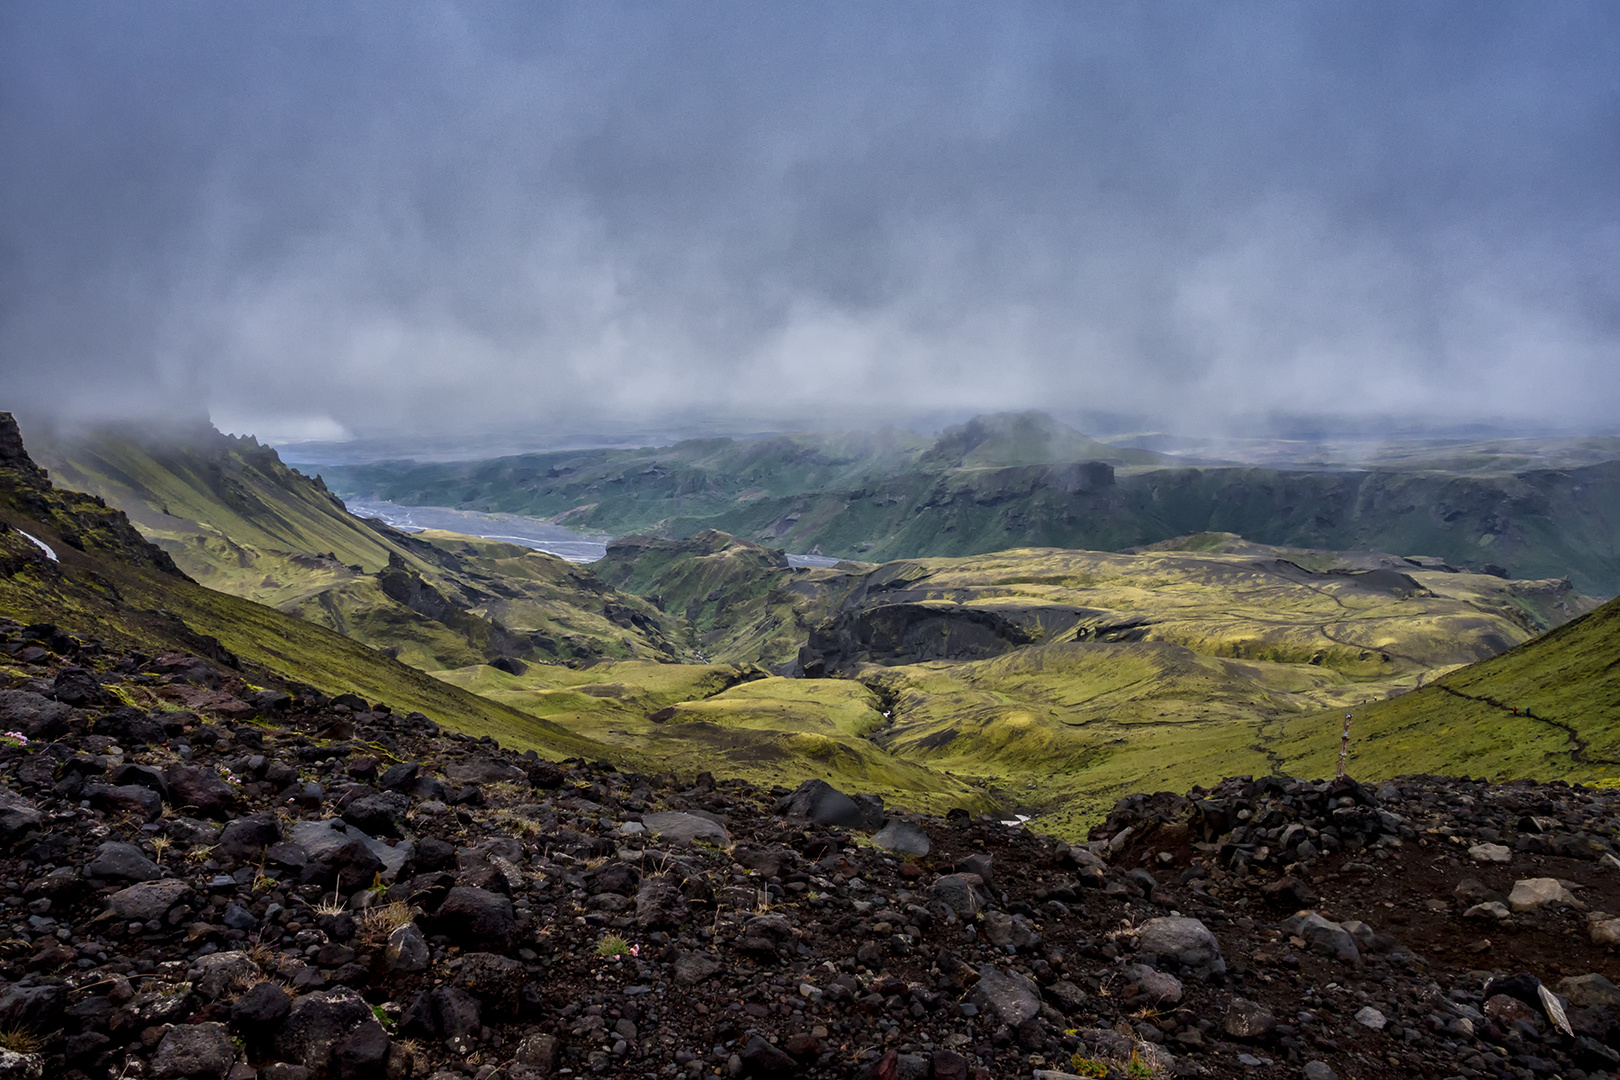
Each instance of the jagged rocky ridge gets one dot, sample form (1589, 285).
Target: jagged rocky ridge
(229, 882)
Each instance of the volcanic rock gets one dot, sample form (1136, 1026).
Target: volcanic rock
(686, 828)
(474, 916)
(317, 1023)
(194, 1052)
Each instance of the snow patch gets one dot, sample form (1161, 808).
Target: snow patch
(42, 545)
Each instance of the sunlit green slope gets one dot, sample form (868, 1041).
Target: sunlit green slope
(107, 581)
(1547, 709)
(234, 518)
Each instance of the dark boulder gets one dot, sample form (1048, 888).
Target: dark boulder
(350, 865)
(445, 1012)
(78, 688)
(363, 1055)
(248, 836)
(473, 916)
(379, 815)
(317, 1024)
(129, 726)
(260, 1010)
(400, 777)
(35, 715)
(115, 861)
(201, 791)
(140, 776)
(760, 1058)
(18, 816)
(496, 981)
(194, 1052)
(822, 804)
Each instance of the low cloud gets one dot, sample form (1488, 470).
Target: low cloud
(382, 218)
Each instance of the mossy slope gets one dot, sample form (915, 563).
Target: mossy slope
(732, 721)
(744, 602)
(235, 518)
(107, 581)
(1549, 709)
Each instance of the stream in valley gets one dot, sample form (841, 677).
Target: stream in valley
(513, 528)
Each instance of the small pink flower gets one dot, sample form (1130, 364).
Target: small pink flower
(635, 950)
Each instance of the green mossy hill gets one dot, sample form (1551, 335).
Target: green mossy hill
(236, 519)
(108, 582)
(1373, 621)
(1049, 681)
(1548, 709)
(744, 601)
(186, 483)
(730, 720)
(1000, 482)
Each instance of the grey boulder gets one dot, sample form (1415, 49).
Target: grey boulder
(660, 905)
(823, 804)
(249, 835)
(219, 974)
(903, 838)
(15, 1066)
(1323, 936)
(474, 916)
(324, 840)
(408, 950)
(194, 1052)
(692, 968)
(1183, 941)
(114, 861)
(484, 771)
(18, 817)
(148, 901)
(317, 1023)
(1011, 999)
(686, 828)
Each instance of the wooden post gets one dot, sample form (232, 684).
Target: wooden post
(1344, 744)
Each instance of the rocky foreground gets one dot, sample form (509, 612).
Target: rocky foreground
(207, 880)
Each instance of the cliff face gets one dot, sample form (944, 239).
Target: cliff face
(83, 522)
(13, 455)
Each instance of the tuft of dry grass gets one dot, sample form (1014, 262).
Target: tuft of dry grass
(334, 906)
(19, 1040)
(378, 923)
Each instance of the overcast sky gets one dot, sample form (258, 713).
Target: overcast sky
(402, 216)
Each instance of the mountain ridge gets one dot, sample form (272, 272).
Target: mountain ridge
(844, 498)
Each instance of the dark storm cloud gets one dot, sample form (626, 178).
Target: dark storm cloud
(445, 215)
